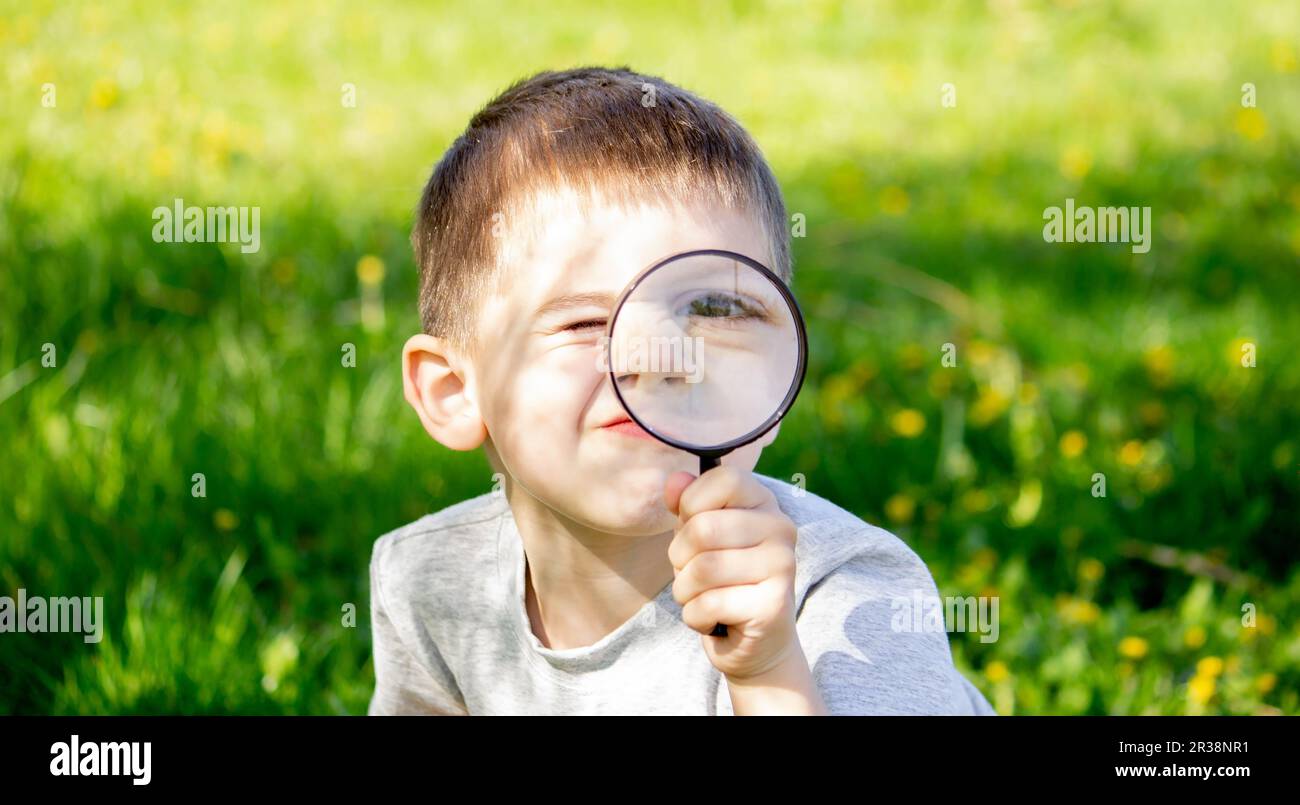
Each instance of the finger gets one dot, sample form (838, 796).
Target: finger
(720, 529)
(713, 569)
(723, 605)
(723, 487)
(673, 488)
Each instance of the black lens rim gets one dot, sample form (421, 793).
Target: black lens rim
(793, 392)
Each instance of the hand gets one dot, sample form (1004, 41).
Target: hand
(734, 560)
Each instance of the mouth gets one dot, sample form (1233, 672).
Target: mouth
(625, 426)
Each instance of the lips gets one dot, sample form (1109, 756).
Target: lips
(625, 426)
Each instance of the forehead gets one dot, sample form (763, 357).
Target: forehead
(569, 243)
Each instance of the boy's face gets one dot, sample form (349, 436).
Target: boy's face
(540, 392)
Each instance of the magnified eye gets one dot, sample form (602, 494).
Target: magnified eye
(720, 305)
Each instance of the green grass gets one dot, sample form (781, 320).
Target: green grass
(924, 229)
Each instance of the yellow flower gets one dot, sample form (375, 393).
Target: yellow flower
(1078, 611)
(900, 508)
(1209, 666)
(996, 671)
(1152, 413)
(1251, 124)
(1201, 688)
(894, 200)
(988, 406)
(1028, 394)
(1131, 453)
(225, 520)
(908, 423)
(1282, 56)
(1073, 443)
(104, 93)
(1237, 351)
(1194, 637)
(975, 500)
(161, 162)
(982, 353)
(1076, 162)
(1159, 362)
(1135, 648)
(1266, 624)
(370, 270)
(1265, 682)
(911, 356)
(1091, 570)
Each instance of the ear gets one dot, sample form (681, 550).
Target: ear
(438, 384)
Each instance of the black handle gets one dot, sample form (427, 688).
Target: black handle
(708, 462)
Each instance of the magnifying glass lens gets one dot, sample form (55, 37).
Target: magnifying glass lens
(706, 350)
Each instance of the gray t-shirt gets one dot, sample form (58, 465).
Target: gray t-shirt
(452, 636)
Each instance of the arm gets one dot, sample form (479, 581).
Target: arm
(863, 646)
(404, 684)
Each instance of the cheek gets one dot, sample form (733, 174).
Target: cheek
(539, 408)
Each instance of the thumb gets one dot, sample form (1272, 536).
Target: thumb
(673, 488)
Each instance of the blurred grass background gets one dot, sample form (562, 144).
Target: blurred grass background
(923, 229)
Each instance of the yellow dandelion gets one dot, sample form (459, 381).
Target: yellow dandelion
(1209, 666)
(1073, 443)
(161, 162)
(1251, 124)
(1194, 637)
(1265, 682)
(1282, 56)
(1077, 611)
(976, 500)
(1239, 349)
(1159, 362)
(1076, 162)
(988, 406)
(996, 671)
(1266, 624)
(911, 356)
(981, 353)
(1152, 413)
(1134, 648)
(900, 508)
(908, 423)
(225, 520)
(1201, 688)
(104, 93)
(1091, 570)
(894, 200)
(370, 270)
(1131, 453)
(1028, 394)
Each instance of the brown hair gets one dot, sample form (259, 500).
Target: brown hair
(621, 133)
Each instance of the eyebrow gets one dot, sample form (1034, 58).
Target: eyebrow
(568, 301)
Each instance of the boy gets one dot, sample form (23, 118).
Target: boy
(591, 581)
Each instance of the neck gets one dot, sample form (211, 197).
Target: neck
(580, 583)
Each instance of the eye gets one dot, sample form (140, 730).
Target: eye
(585, 324)
(715, 305)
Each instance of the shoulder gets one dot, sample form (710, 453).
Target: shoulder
(435, 551)
(833, 540)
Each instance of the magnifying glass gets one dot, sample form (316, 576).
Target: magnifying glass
(706, 351)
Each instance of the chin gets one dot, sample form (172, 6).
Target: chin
(629, 502)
